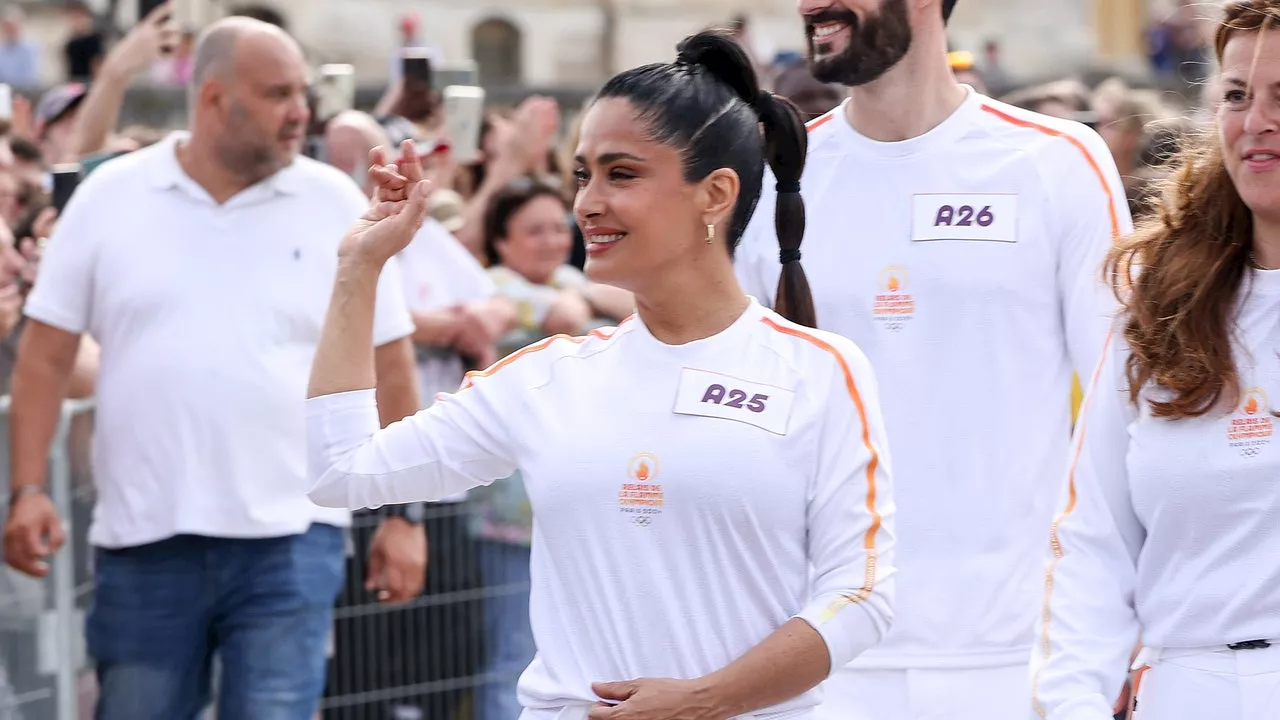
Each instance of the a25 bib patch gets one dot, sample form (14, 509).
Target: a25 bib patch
(711, 394)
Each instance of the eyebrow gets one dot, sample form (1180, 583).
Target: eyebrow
(1238, 83)
(607, 158)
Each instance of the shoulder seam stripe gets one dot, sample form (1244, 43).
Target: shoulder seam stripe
(869, 580)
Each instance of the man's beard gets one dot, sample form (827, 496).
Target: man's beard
(874, 46)
(246, 153)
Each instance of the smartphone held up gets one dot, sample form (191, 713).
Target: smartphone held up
(335, 90)
(63, 182)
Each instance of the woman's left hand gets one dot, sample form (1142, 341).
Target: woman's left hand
(655, 699)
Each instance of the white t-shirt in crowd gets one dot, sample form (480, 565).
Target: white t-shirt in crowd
(680, 493)
(208, 318)
(438, 272)
(966, 263)
(1168, 529)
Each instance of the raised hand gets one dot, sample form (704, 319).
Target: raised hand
(396, 210)
(145, 44)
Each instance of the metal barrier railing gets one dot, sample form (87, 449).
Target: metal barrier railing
(42, 657)
(423, 659)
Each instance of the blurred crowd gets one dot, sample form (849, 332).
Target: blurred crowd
(497, 266)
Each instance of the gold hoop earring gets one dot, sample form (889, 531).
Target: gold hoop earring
(711, 233)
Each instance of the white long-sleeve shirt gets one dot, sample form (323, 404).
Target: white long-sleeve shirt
(680, 493)
(1167, 528)
(966, 263)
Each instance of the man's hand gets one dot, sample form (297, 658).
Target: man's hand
(568, 315)
(531, 134)
(397, 561)
(32, 533)
(32, 248)
(473, 339)
(498, 314)
(12, 264)
(11, 302)
(655, 699)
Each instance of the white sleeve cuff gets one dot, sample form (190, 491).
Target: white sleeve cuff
(848, 629)
(40, 312)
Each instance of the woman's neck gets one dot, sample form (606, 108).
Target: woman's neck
(693, 304)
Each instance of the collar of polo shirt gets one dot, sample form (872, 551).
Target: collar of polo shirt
(168, 174)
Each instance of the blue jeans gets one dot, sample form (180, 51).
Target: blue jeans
(506, 618)
(264, 606)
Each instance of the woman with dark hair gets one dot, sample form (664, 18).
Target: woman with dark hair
(710, 486)
(528, 240)
(1170, 528)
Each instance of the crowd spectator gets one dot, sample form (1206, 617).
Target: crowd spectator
(55, 122)
(474, 293)
(86, 46)
(411, 37)
(205, 541)
(175, 67)
(1068, 99)
(992, 70)
(962, 65)
(527, 245)
(813, 97)
(1133, 123)
(94, 124)
(19, 55)
(1179, 47)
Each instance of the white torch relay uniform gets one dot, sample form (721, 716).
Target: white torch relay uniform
(966, 263)
(1170, 530)
(679, 494)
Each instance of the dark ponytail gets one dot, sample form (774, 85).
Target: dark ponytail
(787, 145)
(709, 105)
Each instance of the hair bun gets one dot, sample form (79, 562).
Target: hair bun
(724, 58)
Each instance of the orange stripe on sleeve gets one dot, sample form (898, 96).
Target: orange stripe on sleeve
(1054, 542)
(873, 464)
(1093, 164)
(818, 122)
(603, 334)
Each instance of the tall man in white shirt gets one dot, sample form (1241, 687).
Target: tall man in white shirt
(203, 267)
(958, 241)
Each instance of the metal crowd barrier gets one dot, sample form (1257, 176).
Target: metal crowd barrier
(42, 658)
(422, 660)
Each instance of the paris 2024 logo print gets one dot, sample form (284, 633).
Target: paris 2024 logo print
(641, 495)
(1252, 424)
(894, 306)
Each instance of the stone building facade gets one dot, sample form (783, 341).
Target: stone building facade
(576, 43)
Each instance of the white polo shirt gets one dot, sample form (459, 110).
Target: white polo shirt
(208, 317)
(438, 272)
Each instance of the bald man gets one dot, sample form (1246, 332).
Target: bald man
(202, 266)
